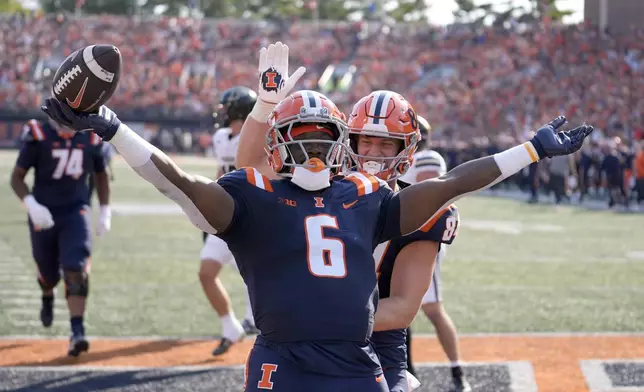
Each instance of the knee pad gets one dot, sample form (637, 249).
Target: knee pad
(76, 283)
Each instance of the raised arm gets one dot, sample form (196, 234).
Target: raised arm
(274, 85)
(252, 140)
(420, 202)
(209, 207)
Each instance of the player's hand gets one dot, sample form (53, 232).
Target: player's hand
(39, 214)
(274, 82)
(549, 142)
(104, 221)
(104, 123)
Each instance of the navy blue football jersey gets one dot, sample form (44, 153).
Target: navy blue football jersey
(307, 259)
(61, 163)
(390, 345)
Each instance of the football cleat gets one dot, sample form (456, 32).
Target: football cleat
(460, 384)
(47, 315)
(225, 344)
(77, 345)
(250, 328)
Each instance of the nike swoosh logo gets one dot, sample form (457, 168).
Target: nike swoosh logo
(349, 205)
(79, 97)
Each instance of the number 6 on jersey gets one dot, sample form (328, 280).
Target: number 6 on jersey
(325, 255)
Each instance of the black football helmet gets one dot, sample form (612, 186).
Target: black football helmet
(235, 104)
(425, 129)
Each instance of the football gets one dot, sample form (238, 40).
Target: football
(88, 77)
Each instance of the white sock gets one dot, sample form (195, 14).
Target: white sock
(231, 328)
(249, 310)
(455, 364)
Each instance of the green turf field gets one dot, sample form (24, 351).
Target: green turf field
(513, 268)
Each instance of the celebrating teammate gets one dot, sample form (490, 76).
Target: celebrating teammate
(59, 215)
(303, 243)
(430, 164)
(384, 133)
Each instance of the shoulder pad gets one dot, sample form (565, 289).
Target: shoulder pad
(248, 175)
(443, 226)
(32, 131)
(366, 183)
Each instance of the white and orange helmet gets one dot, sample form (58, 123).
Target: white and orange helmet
(301, 112)
(384, 114)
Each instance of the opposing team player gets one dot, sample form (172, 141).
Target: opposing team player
(430, 164)
(58, 213)
(235, 104)
(304, 243)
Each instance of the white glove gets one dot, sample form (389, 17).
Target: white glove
(104, 221)
(274, 82)
(39, 214)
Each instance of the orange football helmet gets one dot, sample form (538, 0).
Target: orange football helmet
(384, 114)
(303, 112)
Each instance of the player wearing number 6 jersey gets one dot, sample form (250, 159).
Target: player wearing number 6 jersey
(303, 242)
(58, 212)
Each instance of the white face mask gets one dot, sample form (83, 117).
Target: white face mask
(309, 180)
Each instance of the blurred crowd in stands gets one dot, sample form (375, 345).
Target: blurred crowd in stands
(482, 89)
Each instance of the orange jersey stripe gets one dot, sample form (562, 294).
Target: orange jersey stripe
(267, 184)
(36, 130)
(250, 175)
(427, 226)
(375, 184)
(359, 185)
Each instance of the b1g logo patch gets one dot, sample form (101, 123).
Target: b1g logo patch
(271, 79)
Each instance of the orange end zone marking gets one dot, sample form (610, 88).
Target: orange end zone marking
(556, 360)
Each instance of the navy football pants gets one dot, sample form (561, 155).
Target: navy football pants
(267, 370)
(67, 245)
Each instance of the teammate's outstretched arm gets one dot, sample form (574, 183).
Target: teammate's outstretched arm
(420, 202)
(208, 205)
(274, 85)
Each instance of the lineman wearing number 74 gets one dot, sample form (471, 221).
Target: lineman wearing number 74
(308, 237)
(57, 206)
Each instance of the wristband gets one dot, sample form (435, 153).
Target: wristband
(516, 158)
(262, 110)
(131, 146)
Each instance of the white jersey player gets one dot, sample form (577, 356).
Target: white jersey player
(429, 164)
(236, 104)
(224, 145)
